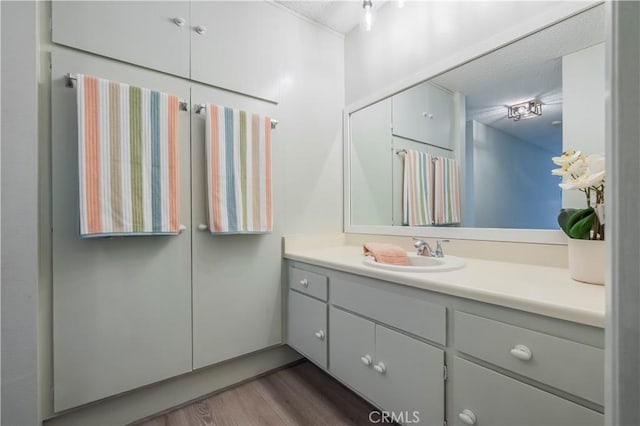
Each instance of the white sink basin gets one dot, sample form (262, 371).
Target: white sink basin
(420, 264)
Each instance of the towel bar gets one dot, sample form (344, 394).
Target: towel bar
(70, 78)
(198, 108)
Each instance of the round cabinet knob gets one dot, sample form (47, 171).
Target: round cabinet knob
(380, 367)
(182, 228)
(304, 282)
(179, 21)
(467, 417)
(201, 29)
(521, 352)
(320, 334)
(366, 360)
(202, 227)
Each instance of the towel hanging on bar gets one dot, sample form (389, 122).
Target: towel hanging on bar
(238, 158)
(417, 188)
(128, 159)
(446, 185)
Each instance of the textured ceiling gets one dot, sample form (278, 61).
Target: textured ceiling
(530, 68)
(340, 16)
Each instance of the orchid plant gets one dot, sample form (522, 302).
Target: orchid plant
(584, 173)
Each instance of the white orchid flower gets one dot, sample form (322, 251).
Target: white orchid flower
(559, 172)
(566, 159)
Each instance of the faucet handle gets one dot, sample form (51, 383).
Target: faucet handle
(418, 242)
(439, 251)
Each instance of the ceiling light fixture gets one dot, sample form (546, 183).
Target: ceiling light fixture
(368, 15)
(524, 110)
(400, 4)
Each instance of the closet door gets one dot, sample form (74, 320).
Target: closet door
(238, 46)
(122, 305)
(146, 33)
(236, 278)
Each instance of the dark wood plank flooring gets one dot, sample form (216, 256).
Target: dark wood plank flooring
(298, 395)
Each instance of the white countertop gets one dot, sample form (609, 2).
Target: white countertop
(542, 290)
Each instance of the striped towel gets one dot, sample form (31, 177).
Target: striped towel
(446, 191)
(128, 159)
(238, 150)
(417, 185)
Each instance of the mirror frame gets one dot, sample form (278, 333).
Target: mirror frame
(488, 46)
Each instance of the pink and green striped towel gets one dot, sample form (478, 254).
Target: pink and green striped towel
(128, 159)
(417, 188)
(446, 184)
(238, 150)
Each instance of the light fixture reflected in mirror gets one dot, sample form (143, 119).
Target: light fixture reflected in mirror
(524, 110)
(368, 16)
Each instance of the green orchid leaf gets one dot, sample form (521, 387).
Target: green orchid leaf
(563, 218)
(576, 217)
(581, 229)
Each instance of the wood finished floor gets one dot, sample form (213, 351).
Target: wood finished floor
(299, 395)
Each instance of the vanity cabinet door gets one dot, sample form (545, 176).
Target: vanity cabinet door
(307, 327)
(484, 397)
(143, 33)
(351, 351)
(410, 377)
(424, 113)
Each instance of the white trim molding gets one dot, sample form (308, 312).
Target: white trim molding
(622, 337)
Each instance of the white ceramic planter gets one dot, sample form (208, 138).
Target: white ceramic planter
(587, 260)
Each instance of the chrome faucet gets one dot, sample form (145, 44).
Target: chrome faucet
(424, 249)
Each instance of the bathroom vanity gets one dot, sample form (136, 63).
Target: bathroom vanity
(490, 344)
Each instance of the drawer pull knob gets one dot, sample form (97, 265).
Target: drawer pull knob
(467, 417)
(201, 29)
(202, 227)
(521, 352)
(366, 360)
(320, 334)
(304, 282)
(179, 21)
(380, 367)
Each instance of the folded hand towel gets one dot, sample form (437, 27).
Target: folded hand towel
(386, 253)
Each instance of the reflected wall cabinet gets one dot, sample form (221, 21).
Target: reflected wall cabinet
(424, 113)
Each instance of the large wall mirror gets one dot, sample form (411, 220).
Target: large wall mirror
(450, 154)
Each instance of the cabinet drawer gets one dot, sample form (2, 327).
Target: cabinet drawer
(387, 304)
(573, 367)
(495, 399)
(307, 327)
(309, 283)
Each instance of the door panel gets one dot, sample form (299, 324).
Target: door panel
(241, 49)
(121, 306)
(350, 339)
(306, 318)
(413, 382)
(236, 278)
(138, 32)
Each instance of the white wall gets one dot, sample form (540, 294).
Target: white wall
(406, 43)
(583, 115)
(512, 185)
(19, 214)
